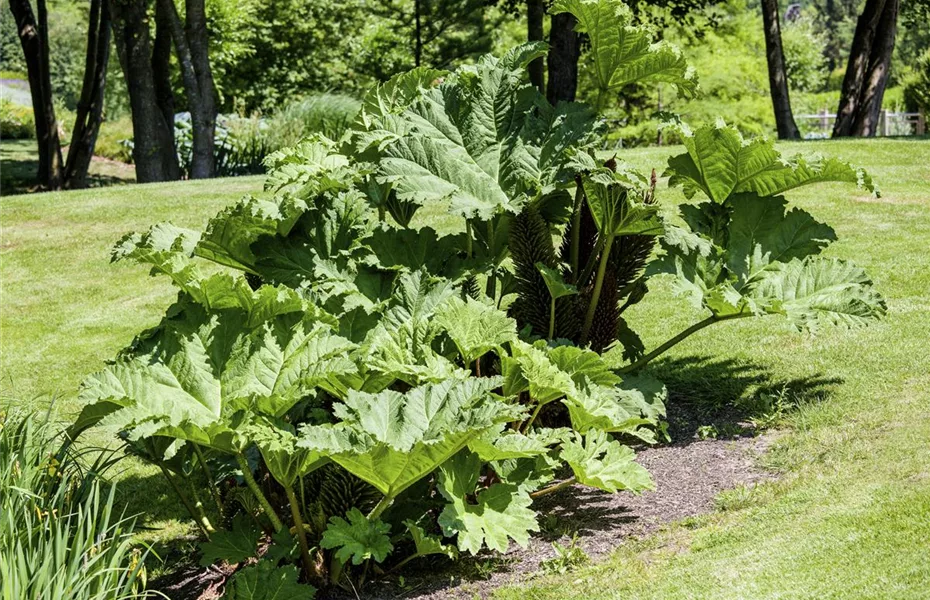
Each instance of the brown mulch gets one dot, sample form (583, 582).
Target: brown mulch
(688, 478)
(688, 475)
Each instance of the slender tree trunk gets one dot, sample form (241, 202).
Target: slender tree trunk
(90, 106)
(564, 49)
(161, 66)
(535, 12)
(190, 40)
(859, 59)
(33, 36)
(152, 129)
(876, 77)
(778, 79)
(205, 129)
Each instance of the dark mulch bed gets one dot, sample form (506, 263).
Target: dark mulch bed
(689, 474)
(688, 478)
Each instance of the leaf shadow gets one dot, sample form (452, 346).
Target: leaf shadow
(731, 396)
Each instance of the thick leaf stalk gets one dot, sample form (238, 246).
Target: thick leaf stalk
(598, 285)
(259, 495)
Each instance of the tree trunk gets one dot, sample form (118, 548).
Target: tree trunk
(535, 12)
(205, 128)
(778, 79)
(161, 68)
(876, 77)
(564, 49)
(859, 59)
(90, 106)
(152, 129)
(190, 40)
(33, 37)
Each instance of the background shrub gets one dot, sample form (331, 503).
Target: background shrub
(16, 121)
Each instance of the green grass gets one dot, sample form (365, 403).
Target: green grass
(850, 517)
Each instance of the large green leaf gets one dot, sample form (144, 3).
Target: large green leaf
(395, 94)
(358, 538)
(391, 440)
(401, 344)
(719, 162)
(475, 328)
(622, 53)
(496, 515)
(608, 409)
(606, 464)
(483, 140)
(618, 209)
(311, 167)
(752, 257)
(267, 581)
(817, 291)
(190, 375)
(413, 249)
(762, 233)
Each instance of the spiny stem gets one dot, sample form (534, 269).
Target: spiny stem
(468, 240)
(184, 500)
(592, 262)
(596, 294)
(575, 248)
(529, 423)
(257, 491)
(379, 508)
(491, 289)
(309, 570)
(554, 488)
(198, 505)
(211, 483)
(552, 319)
(675, 340)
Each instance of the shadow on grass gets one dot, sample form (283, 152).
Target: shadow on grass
(725, 396)
(20, 166)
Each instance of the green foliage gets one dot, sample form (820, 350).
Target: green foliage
(16, 121)
(267, 581)
(233, 546)
(497, 513)
(567, 558)
(805, 62)
(334, 342)
(60, 535)
(623, 54)
(358, 538)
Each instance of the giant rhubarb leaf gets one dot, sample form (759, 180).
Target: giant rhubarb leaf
(483, 140)
(719, 162)
(391, 440)
(622, 53)
(749, 256)
(189, 376)
(606, 464)
(492, 517)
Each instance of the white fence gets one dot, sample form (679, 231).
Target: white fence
(889, 123)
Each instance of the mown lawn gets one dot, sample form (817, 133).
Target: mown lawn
(850, 516)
